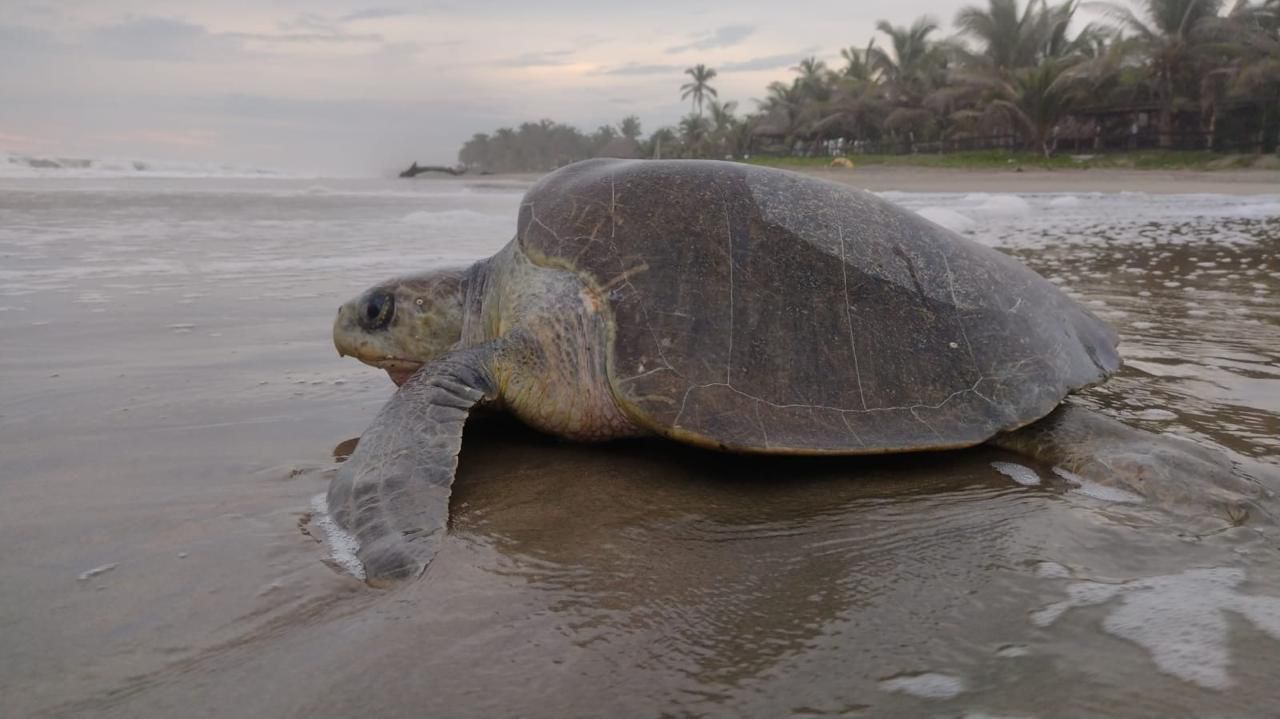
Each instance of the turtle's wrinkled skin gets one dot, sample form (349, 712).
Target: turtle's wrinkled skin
(737, 308)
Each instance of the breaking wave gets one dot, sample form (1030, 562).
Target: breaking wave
(16, 165)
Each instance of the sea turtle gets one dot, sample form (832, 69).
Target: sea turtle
(736, 308)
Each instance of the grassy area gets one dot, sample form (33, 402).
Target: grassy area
(1001, 159)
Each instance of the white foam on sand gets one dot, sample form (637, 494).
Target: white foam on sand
(1052, 570)
(91, 573)
(949, 219)
(1093, 221)
(1264, 209)
(929, 685)
(1003, 205)
(1025, 476)
(1098, 491)
(1179, 619)
(342, 546)
(452, 218)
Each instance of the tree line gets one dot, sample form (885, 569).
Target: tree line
(1189, 74)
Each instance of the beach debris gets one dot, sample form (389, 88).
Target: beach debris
(91, 573)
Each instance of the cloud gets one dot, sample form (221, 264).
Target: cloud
(306, 37)
(308, 22)
(725, 36)
(546, 58)
(401, 50)
(181, 137)
(157, 38)
(166, 39)
(768, 62)
(636, 69)
(19, 41)
(590, 40)
(374, 13)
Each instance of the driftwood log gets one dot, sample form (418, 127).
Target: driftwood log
(415, 169)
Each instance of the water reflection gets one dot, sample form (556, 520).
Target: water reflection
(1198, 307)
(727, 566)
(670, 579)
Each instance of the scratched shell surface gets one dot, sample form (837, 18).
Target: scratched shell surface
(757, 309)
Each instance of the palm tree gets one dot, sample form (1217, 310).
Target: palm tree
(630, 127)
(700, 88)
(693, 132)
(1010, 39)
(858, 62)
(914, 58)
(1171, 48)
(663, 140)
(1033, 100)
(1028, 73)
(1248, 40)
(910, 70)
(813, 80)
(506, 155)
(1052, 24)
(1007, 36)
(781, 108)
(1261, 72)
(857, 110)
(723, 126)
(475, 152)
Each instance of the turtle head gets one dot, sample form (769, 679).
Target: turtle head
(403, 323)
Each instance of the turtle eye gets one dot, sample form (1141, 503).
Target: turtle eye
(377, 310)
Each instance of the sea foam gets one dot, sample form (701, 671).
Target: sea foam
(1179, 619)
(929, 685)
(16, 165)
(1025, 476)
(948, 218)
(342, 546)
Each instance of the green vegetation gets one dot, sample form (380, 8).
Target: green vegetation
(1167, 83)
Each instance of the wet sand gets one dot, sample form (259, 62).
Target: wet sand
(879, 178)
(171, 404)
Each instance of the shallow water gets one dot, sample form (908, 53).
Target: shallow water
(171, 405)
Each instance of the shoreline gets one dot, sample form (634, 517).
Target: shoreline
(885, 178)
(880, 178)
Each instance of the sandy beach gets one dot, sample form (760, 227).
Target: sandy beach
(171, 404)
(881, 178)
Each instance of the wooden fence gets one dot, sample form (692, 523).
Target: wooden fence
(1146, 138)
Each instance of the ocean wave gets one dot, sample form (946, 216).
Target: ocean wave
(15, 165)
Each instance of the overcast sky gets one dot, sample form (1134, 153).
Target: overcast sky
(360, 87)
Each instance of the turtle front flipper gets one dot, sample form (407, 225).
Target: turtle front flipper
(1169, 473)
(392, 495)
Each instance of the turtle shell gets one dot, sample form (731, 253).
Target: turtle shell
(755, 309)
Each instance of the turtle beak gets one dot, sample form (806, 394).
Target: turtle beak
(343, 326)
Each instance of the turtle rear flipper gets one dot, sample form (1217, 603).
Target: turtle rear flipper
(1133, 465)
(392, 495)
